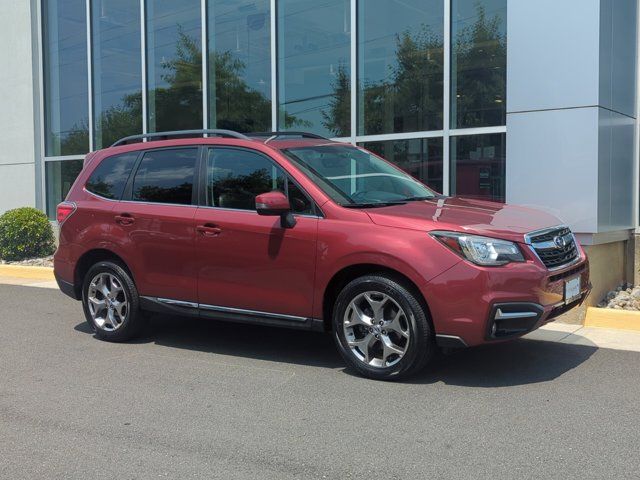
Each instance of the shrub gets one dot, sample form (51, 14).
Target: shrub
(25, 233)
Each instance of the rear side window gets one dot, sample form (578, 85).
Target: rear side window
(110, 177)
(166, 176)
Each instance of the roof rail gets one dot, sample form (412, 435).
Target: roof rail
(181, 134)
(286, 134)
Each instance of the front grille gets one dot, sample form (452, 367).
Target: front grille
(555, 247)
(549, 235)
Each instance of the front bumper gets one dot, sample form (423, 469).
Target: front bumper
(479, 305)
(508, 320)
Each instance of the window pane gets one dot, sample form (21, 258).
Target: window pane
(166, 176)
(352, 175)
(314, 66)
(117, 79)
(400, 62)
(300, 202)
(235, 177)
(239, 65)
(66, 101)
(477, 166)
(478, 63)
(110, 177)
(59, 178)
(174, 64)
(420, 157)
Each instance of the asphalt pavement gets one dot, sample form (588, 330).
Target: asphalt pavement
(204, 399)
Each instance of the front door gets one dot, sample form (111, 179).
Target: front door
(249, 263)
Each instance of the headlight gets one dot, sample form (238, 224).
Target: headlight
(480, 250)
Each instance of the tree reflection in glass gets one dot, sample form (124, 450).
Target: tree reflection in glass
(314, 65)
(117, 76)
(66, 106)
(174, 64)
(400, 66)
(478, 63)
(239, 65)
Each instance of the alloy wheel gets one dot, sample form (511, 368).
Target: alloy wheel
(107, 301)
(376, 329)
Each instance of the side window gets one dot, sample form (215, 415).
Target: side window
(166, 176)
(110, 177)
(299, 201)
(235, 177)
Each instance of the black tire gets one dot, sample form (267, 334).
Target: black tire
(134, 319)
(419, 348)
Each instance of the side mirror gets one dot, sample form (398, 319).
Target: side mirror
(276, 204)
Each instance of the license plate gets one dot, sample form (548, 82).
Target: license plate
(571, 289)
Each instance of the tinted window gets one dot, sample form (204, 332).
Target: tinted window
(478, 166)
(110, 177)
(314, 69)
(174, 64)
(420, 157)
(400, 65)
(64, 51)
(117, 75)
(235, 177)
(60, 176)
(239, 64)
(166, 176)
(478, 63)
(299, 201)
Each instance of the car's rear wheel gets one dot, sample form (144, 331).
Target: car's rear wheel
(111, 303)
(381, 328)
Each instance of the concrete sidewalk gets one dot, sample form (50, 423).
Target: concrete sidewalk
(616, 339)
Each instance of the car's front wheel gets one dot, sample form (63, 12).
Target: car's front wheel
(381, 328)
(111, 303)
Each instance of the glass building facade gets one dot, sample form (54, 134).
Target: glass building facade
(419, 82)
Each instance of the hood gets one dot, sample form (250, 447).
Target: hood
(480, 217)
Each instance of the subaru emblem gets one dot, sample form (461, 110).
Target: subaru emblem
(560, 242)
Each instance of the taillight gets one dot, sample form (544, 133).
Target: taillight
(64, 211)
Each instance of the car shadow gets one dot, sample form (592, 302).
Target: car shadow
(518, 362)
(240, 340)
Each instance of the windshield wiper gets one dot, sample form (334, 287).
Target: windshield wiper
(372, 204)
(417, 199)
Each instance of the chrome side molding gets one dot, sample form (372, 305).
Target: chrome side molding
(239, 311)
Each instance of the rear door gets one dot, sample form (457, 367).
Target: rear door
(156, 223)
(248, 262)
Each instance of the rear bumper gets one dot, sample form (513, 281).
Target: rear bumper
(63, 270)
(472, 306)
(67, 288)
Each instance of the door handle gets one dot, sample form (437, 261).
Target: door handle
(209, 230)
(125, 219)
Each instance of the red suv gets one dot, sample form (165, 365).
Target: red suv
(294, 230)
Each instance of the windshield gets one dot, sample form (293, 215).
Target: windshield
(356, 178)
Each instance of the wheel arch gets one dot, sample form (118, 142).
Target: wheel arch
(341, 278)
(91, 257)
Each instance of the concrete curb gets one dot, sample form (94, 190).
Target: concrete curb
(27, 272)
(612, 318)
(597, 337)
